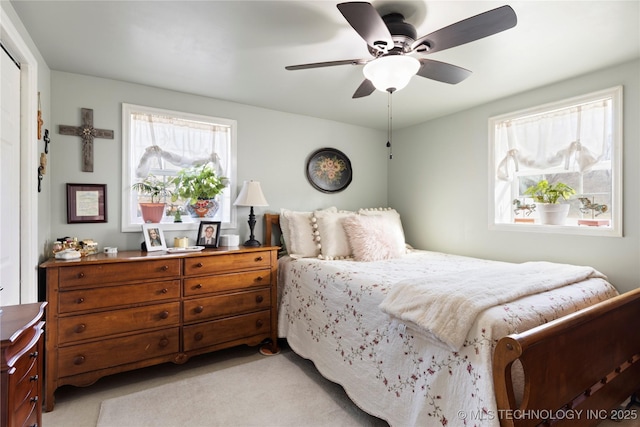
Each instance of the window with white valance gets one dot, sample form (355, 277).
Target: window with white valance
(576, 141)
(162, 142)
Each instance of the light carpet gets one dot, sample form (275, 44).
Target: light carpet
(281, 390)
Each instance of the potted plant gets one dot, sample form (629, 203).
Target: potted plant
(199, 186)
(155, 189)
(549, 197)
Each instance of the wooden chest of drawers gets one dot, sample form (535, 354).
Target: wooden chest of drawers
(110, 314)
(21, 356)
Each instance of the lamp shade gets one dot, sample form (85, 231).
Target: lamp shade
(251, 195)
(391, 72)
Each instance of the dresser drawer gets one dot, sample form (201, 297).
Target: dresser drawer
(223, 330)
(225, 305)
(226, 263)
(27, 380)
(226, 282)
(28, 412)
(108, 353)
(105, 323)
(113, 296)
(27, 363)
(92, 274)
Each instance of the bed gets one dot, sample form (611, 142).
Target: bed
(333, 310)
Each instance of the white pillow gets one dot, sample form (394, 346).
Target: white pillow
(298, 233)
(393, 217)
(373, 238)
(331, 236)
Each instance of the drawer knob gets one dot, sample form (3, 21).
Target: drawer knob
(164, 314)
(164, 342)
(259, 299)
(34, 399)
(198, 336)
(199, 265)
(80, 275)
(33, 378)
(259, 323)
(258, 259)
(164, 291)
(33, 355)
(79, 360)
(80, 300)
(81, 328)
(259, 279)
(199, 309)
(198, 286)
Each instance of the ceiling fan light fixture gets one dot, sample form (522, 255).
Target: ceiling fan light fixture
(392, 72)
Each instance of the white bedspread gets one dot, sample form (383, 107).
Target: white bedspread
(444, 307)
(329, 313)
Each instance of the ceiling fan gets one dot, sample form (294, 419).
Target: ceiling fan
(392, 42)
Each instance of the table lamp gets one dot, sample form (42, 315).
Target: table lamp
(251, 195)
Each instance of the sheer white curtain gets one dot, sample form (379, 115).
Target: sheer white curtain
(574, 138)
(163, 145)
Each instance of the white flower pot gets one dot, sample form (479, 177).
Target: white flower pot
(553, 213)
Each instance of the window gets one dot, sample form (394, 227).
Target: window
(578, 142)
(161, 143)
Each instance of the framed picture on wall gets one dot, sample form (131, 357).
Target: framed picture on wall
(209, 234)
(154, 237)
(86, 203)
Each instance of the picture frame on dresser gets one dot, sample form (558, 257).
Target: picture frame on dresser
(154, 237)
(209, 234)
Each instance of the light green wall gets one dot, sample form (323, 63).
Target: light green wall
(438, 180)
(272, 149)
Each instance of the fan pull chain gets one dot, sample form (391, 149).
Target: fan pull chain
(389, 124)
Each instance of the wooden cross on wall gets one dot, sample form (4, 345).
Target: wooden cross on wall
(87, 132)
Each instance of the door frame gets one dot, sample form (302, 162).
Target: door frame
(29, 257)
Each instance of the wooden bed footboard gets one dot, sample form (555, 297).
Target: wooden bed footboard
(577, 369)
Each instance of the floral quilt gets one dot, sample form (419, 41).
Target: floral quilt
(329, 313)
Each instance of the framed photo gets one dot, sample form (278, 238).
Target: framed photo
(329, 170)
(209, 234)
(86, 203)
(154, 237)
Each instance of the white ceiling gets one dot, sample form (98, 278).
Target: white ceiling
(237, 50)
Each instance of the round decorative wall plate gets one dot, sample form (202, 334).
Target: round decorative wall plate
(329, 170)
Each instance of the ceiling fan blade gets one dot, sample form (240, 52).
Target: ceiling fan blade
(366, 20)
(366, 88)
(442, 72)
(327, 64)
(468, 30)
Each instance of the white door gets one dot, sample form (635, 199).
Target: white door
(9, 181)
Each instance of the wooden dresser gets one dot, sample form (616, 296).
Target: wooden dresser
(114, 313)
(22, 346)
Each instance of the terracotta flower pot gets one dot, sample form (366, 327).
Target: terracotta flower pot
(152, 212)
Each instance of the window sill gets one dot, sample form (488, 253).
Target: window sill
(582, 230)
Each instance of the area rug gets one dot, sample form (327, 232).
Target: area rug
(281, 390)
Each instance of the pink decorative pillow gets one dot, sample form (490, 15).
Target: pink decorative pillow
(393, 216)
(372, 237)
